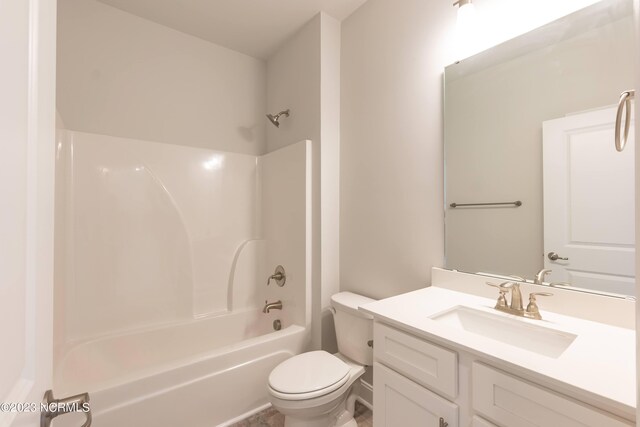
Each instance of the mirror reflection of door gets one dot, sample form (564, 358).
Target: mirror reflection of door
(588, 203)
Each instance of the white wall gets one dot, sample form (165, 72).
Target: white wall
(124, 76)
(330, 173)
(303, 76)
(391, 218)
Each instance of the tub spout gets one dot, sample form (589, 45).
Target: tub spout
(268, 306)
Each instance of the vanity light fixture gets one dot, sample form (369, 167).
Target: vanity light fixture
(462, 3)
(466, 12)
(465, 28)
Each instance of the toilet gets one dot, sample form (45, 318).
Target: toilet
(313, 389)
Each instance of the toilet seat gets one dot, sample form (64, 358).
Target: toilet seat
(308, 375)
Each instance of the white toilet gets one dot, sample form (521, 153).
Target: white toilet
(312, 389)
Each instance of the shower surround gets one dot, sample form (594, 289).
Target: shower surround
(162, 258)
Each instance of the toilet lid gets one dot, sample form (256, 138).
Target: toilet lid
(308, 372)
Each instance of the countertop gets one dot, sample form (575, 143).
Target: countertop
(599, 366)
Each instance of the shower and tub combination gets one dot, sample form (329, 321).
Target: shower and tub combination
(163, 311)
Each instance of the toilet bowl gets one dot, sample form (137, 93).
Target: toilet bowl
(314, 389)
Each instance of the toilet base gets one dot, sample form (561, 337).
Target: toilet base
(346, 420)
(334, 419)
(326, 415)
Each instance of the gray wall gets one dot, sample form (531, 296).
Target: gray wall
(391, 173)
(304, 76)
(122, 75)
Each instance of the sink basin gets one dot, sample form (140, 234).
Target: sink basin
(507, 329)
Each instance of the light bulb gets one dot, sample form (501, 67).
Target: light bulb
(466, 14)
(466, 29)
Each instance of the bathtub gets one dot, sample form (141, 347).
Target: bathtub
(200, 373)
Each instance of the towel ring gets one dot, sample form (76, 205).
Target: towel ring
(624, 104)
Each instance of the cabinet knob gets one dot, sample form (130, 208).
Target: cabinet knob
(443, 423)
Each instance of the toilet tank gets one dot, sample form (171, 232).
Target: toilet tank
(354, 329)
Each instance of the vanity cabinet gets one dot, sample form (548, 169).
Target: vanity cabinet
(421, 383)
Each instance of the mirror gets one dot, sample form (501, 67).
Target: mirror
(529, 124)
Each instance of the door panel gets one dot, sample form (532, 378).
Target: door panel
(13, 134)
(589, 196)
(27, 109)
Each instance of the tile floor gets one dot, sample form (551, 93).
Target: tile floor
(272, 418)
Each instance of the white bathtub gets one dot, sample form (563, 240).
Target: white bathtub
(202, 373)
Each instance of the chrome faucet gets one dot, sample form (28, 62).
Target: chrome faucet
(268, 306)
(516, 296)
(540, 276)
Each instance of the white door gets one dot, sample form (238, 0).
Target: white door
(589, 198)
(27, 122)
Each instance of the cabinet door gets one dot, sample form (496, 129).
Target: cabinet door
(401, 402)
(510, 401)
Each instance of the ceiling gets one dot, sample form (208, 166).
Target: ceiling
(253, 27)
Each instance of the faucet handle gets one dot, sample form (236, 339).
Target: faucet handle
(556, 284)
(533, 295)
(502, 300)
(507, 285)
(502, 287)
(279, 276)
(532, 310)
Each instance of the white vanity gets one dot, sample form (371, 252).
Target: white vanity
(525, 196)
(443, 356)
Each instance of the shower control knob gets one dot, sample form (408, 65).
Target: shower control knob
(279, 276)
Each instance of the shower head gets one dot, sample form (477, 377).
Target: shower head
(275, 119)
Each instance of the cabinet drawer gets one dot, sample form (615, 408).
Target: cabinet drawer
(401, 402)
(428, 364)
(510, 401)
